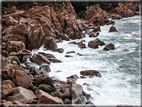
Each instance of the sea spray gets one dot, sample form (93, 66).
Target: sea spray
(120, 81)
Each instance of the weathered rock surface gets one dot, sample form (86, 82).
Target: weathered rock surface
(43, 78)
(94, 44)
(23, 55)
(39, 59)
(15, 46)
(22, 79)
(45, 98)
(97, 16)
(109, 46)
(46, 88)
(15, 73)
(6, 90)
(21, 94)
(10, 21)
(8, 82)
(90, 73)
(125, 9)
(10, 60)
(76, 93)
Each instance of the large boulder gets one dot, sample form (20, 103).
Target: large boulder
(17, 75)
(22, 79)
(9, 71)
(90, 73)
(45, 98)
(21, 94)
(95, 43)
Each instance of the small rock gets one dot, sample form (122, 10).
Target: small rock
(109, 46)
(60, 50)
(72, 78)
(54, 60)
(68, 56)
(70, 52)
(90, 73)
(13, 9)
(112, 29)
(45, 68)
(8, 82)
(95, 43)
(6, 90)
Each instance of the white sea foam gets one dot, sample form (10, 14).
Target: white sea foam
(114, 87)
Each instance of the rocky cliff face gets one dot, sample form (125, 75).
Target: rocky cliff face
(43, 24)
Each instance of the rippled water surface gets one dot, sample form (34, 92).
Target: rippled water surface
(120, 68)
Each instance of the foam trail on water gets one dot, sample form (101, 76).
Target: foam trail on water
(120, 81)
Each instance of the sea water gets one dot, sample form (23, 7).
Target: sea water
(120, 68)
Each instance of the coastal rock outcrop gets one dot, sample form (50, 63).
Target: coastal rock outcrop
(97, 16)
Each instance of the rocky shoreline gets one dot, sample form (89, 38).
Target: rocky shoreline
(25, 77)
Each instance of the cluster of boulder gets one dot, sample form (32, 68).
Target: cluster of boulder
(25, 78)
